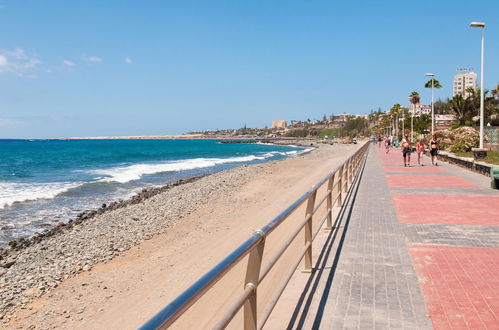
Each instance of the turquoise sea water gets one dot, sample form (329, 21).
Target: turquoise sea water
(43, 182)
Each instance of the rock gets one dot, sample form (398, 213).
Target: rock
(32, 292)
(97, 235)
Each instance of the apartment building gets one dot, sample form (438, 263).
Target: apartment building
(280, 124)
(463, 81)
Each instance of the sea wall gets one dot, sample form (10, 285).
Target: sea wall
(465, 162)
(304, 142)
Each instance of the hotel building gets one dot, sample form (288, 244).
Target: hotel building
(463, 81)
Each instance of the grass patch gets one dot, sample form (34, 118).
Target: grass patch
(492, 156)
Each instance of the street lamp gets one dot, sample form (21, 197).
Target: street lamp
(412, 118)
(403, 119)
(481, 25)
(432, 115)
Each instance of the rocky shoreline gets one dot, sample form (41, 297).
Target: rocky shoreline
(32, 268)
(7, 253)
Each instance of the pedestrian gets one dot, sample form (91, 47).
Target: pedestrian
(406, 151)
(420, 150)
(379, 141)
(434, 149)
(387, 144)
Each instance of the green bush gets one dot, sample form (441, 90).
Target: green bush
(330, 132)
(468, 123)
(459, 146)
(456, 125)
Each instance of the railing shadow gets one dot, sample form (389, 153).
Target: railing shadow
(310, 289)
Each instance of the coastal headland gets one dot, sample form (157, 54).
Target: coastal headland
(118, 268)
(134, 137)
(223, 138)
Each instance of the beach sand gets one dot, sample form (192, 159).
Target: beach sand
(131, 262)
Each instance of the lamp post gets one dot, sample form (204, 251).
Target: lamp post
(412, 118)
(481, 25)
(403, 119)
(432, 108)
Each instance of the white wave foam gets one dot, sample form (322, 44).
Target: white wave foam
(135, 172)
(11, 192)
(306, 150)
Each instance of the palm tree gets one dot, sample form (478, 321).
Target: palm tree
(495, 91)
(460, 107)
(414, 98)
(436, 84)
(395, 113)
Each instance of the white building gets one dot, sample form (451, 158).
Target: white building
(444, 121)
(419, 108)
(463, 81)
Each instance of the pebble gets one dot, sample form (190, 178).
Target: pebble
(36, 266)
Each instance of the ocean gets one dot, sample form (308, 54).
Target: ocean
(44, 182)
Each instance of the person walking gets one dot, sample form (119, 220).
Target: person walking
(379, 141)
(434, 149)
(420, 150)
(406, 151)
(387, 144)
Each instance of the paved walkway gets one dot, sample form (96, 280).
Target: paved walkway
(416, 248)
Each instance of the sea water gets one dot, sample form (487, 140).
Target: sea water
(43, 182)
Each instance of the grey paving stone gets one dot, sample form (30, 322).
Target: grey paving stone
(374, 285)
(460, 235)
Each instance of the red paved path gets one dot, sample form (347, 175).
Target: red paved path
(413, 169)
(447, 209)
(413, 181)
(461, 285)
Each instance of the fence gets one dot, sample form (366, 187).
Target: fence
(336, 184)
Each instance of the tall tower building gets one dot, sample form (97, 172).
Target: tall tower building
(463, 81)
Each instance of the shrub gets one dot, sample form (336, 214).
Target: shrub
(460, 139)
(459, 146)
(468, 123)
(456, 125)
(466, 138)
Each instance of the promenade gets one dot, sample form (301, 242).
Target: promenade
(414, 248)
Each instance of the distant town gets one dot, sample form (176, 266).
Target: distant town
(459, 111)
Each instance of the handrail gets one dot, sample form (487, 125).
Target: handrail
(254, 247)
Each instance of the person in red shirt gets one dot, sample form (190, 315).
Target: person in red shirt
(420, 150)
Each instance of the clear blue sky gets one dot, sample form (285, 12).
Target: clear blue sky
(88, 68)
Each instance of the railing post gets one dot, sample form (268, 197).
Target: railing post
(252, 276)
(350, 172)
(308, 231)
(345, 188)
(340, 186)
(329, 221)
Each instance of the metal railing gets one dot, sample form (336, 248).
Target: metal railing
(338, 182)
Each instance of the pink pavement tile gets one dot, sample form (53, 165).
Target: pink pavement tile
(413, 169)
(447, 209)
(460, 285)
(414, 181)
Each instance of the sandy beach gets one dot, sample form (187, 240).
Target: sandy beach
(119, 268)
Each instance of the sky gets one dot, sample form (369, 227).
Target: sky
(108, 68)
